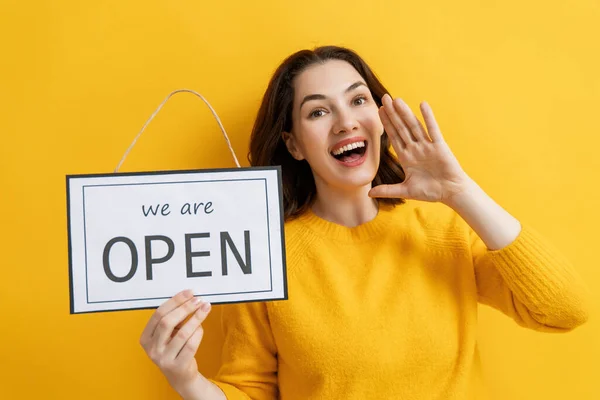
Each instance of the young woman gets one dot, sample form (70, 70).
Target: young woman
(387, 258)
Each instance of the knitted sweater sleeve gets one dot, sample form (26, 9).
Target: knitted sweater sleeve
(531, 282)
(249, 357)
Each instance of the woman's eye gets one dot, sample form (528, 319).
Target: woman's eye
(359, 101)
(317, 113)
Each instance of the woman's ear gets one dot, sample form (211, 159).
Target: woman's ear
(292, 145)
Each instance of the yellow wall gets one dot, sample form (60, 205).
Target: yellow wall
(514, 84)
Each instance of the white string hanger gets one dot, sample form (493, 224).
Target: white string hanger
(156, 112)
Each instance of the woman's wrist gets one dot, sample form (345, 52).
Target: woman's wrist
(195, 390)
(201, 389)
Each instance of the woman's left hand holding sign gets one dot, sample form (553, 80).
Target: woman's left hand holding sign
(172, 337)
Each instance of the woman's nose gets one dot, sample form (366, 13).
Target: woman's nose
(346, 122)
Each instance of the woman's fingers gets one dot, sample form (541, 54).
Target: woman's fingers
(160, 312)
(396, 140)
(187, 330)
(190, 347)
(165, 326)
(410, 120)
(432, 127)
(400, 128)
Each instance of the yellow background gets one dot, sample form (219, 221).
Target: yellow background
(514, 84)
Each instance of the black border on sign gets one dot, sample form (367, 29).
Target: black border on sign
(201, 171)
(71, 299)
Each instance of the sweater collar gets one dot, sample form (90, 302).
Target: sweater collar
(365, 231)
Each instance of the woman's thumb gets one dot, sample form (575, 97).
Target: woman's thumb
(388, 191)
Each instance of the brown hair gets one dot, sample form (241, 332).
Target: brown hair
(267, 147)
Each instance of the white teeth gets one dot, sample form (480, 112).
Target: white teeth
(348, 147)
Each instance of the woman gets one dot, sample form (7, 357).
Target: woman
(387, 259)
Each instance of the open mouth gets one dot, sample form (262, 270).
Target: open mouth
(351, 154)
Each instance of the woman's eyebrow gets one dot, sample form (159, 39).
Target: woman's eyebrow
(323, 97)
(312, 97)
(355, 85)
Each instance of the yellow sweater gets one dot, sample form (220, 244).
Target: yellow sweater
(388, 310)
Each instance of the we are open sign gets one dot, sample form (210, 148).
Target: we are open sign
(137, 239)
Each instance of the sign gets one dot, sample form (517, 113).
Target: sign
(136, 239)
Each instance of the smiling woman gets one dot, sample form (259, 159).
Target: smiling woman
(387, 257)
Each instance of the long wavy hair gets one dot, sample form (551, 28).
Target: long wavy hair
(267, 147)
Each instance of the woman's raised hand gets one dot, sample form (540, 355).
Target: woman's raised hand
(432, 171)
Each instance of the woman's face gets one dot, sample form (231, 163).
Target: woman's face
(335, 125)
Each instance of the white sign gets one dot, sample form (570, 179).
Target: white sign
(136, 239)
